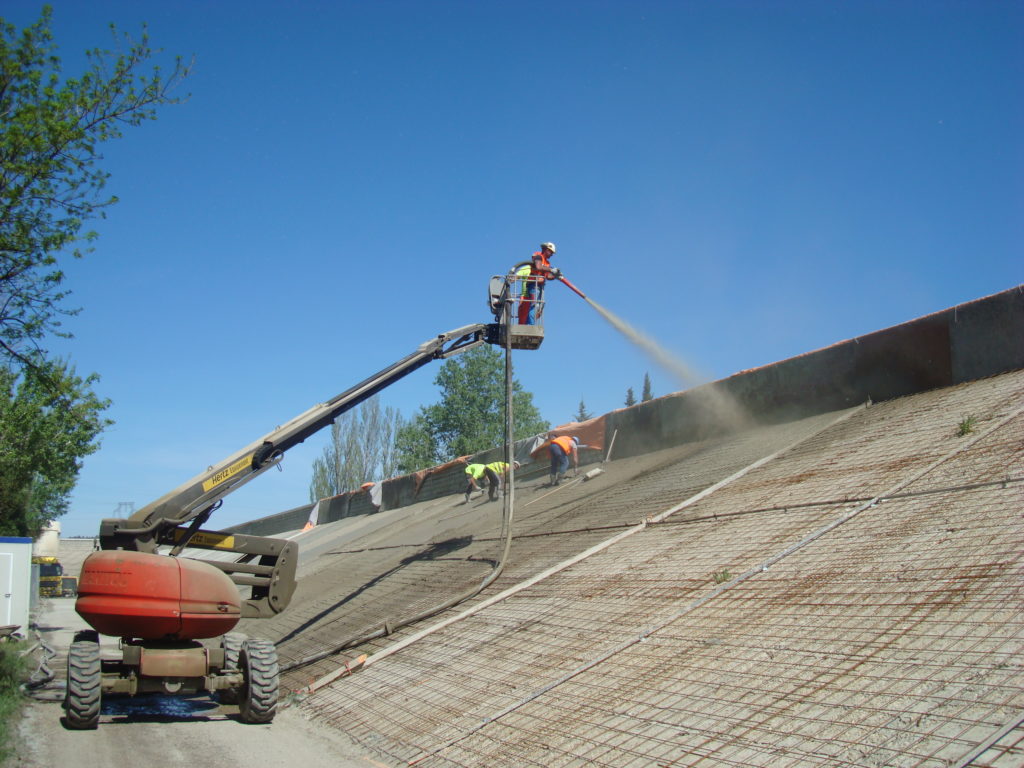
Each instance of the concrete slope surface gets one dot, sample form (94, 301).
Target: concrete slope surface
(428, 553)
(848, 593)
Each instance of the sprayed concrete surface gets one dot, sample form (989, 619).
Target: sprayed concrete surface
(854, 600)
(839, 588)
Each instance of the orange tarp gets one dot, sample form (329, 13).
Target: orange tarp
(591, 434)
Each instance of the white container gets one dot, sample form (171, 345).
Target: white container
(16, 582)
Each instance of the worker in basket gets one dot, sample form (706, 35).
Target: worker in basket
(537, 273)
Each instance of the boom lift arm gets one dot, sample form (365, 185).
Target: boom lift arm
(162, 606)
(176, 518)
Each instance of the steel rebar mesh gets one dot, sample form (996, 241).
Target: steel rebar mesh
(353, 590)
(826, 659)
(894, 639)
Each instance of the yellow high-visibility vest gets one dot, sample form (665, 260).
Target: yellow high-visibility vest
(523, 272)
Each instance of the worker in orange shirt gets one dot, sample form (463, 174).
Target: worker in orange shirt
(561, 449)
(533, 291)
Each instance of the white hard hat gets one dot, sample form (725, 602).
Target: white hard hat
(549, 246)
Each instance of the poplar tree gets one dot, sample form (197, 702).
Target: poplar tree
(361, 449)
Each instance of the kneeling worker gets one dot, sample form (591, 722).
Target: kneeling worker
(493, 472)
(561, 449)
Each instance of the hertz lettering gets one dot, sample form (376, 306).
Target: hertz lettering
(228, 472)
(212, 540)
(93, 579)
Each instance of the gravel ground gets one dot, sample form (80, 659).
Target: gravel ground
(165, 730)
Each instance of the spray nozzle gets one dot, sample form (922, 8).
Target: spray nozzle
(572, 287)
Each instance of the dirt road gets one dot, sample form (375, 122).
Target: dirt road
(165, 730)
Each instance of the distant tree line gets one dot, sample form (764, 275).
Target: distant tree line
(368, 444)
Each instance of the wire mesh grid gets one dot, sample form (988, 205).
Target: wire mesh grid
(670, 475)
(800, 666)
(895, 640)
(814, 664)
(353, 591)
(390, 577)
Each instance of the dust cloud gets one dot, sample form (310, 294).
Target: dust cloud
(723, 406)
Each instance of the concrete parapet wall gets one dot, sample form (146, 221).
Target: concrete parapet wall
(272, 525)
(970, 341)
(987, 336)
(359, 504)
(401, 491)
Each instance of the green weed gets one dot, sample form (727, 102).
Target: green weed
(720, 577)
(13, 672)
(966, 426)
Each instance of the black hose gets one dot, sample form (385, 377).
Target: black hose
(389, 626)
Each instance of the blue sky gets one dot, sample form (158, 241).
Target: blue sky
(743, 181)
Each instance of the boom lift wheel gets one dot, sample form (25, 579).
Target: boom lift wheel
(258, 697)
(232, 644)
(82, 699)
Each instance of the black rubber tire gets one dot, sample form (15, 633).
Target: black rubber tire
(257, 700)
(232, 644)
(82, 699)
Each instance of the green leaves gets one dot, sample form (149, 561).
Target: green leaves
(646, 394)
(49, 419)
(582, 414)
(51, 184)
(471, 414)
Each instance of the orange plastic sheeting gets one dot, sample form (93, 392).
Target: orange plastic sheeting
(590, 433)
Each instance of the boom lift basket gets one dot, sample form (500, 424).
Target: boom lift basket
(517, 301)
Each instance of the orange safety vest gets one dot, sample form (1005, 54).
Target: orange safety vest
(565, 442)
(539, 256)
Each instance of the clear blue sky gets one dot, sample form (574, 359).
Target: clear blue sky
(744, 181)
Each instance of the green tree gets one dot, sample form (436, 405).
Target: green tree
(471, 414)
(630, 397)
(361, 449)
(51, 129)
(582, 414)
(646, 395)
(416, 444)
(49, 419)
